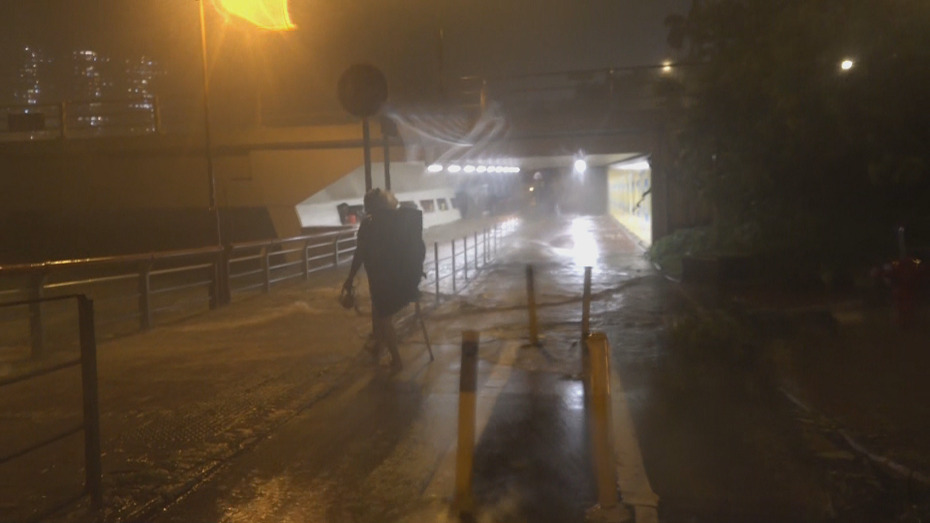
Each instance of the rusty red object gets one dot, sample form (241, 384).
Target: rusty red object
(906, 276)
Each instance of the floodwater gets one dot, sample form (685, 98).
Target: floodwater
(697, 439)
(700, 432)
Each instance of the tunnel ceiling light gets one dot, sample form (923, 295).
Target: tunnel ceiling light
(580, 166)
(847, 64)
(454, 168)
(639, 165)
(469, 169)
(481, 169)
(434, 168)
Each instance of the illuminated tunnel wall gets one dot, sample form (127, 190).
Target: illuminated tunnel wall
(628, 199)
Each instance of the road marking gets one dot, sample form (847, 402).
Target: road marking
(635, 489)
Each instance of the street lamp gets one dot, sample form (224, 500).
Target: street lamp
(272, 15)
(267, 14)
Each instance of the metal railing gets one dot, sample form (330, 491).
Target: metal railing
(81, 119)
(90, 423)
(129, 290)
(448, 270)
(261, 264)
(136, 292)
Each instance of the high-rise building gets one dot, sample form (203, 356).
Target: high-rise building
(139, 77)
(32, 83)
(89, 80)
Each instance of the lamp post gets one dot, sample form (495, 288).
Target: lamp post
(258, 13)
(223, 294)
(208, 139)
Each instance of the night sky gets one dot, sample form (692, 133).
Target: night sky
(481, 37)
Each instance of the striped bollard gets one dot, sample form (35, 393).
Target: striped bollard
(464, 502)
(531, 305)
(608, 508)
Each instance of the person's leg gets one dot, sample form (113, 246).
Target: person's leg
(373, 343)
(387, 337)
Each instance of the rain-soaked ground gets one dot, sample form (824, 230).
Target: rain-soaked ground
(717, 442)
(701, 432)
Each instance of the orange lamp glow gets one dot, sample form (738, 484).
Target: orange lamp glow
(267, 14)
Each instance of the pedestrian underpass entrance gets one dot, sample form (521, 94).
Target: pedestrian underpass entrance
(630, 197)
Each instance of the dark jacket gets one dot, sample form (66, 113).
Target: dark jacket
(390, 243)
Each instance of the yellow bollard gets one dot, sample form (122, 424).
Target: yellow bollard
(585, 331)
(608, 508)
(531, 305)
(464, 502)
(586, 305)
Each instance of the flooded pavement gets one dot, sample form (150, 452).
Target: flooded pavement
(381, 448)
(700, 433)
(270, 411)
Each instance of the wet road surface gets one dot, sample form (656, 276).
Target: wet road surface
(712, 440)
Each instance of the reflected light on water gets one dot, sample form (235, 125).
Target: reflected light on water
(585, 251)
(574, 396)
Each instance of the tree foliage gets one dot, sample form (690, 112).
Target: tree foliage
(777, 136)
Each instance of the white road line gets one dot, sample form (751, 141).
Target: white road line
(631, 473)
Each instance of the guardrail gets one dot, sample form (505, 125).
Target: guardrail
(261, 264)
(81, 119)
(133, 288)
(136, 292)
(90, 424)
(450, 264)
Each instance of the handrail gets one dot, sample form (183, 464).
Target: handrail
(105, 260)
(236, 268)
(278, 241)
(90, 423)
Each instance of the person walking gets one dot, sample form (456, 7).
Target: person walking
(377, 249)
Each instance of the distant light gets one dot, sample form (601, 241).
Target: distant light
(481, 169)
(639, 165)
(434, 168)
(581, 166)
(532, 189)
(469, 169)
(847, 64)
(454, 168)
(667, 66)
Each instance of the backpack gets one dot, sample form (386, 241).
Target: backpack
(394, 254)
(412, 251)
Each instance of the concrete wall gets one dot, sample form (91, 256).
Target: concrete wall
(102, 197)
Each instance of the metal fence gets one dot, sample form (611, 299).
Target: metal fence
(262, 264)
(137, 292)
(90, 423)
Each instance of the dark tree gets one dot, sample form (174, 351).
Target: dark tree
(785, 144)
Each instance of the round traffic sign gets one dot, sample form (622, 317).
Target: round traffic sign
(362, 90)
